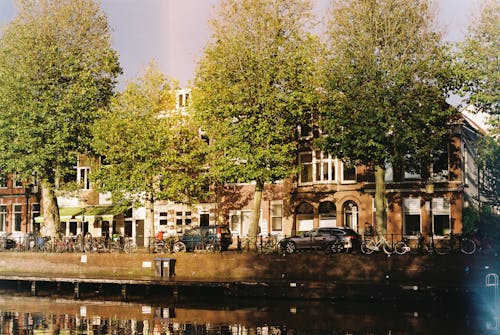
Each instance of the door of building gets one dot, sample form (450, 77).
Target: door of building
(139, 233)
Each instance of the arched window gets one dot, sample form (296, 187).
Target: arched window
(305, 215)
(327, 214)
(350, 212)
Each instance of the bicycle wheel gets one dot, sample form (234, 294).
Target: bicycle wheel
(401, 248)
(365, 248)
(387, 249)
(179, 247)
(467, 246)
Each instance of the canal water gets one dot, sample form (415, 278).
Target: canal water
(60, 314)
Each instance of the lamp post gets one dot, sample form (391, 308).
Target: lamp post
(429, 189)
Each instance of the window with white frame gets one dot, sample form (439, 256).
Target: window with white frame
(17, 216)
(277, 216)
(306, 167)
(83, 177)
(325, 167)
(305, 129)
(348, 173)
(35, 212)
(3, 218)
(183, 218)
(317, 167)
(163, 218)
(3, 180)
(411, 220)
(240, 222)
(441, 223)
(16, 180)
(440, 167)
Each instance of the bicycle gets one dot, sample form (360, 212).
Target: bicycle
(369, 245)
(441, 247)
(129, 246)
(472, 243)
(269, 244)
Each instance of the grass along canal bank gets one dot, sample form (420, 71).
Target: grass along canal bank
(303, 275)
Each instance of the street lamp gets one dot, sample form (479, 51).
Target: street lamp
(429, 189)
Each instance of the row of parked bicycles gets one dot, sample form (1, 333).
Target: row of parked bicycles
(467, 244)
(86, 244)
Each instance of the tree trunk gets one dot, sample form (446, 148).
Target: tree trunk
(380, 200)
(253, 230)
(51, 221)
(149, 222)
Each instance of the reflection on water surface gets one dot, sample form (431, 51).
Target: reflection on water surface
(21, 314)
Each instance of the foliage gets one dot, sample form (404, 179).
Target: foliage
(387, 77)
(254, 84)
(151, 151)
(488, 161)
(480, 59)
(57, 69)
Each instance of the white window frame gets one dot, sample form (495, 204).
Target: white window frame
(274, 215)
(441, 207)
(411, 206)
(85, 183)
(16, 213)
(3, 218)
(322, 161)
(348, 181)
(16, 182)
(309, 165)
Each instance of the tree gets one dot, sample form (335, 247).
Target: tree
(480, 60)
(151, 151)
(254, 83)
(387, 76)
(57, 69)
(488, 161)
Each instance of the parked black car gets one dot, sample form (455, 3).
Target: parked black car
(330, 239)
(210, 238)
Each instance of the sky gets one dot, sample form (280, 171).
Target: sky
(174, 32)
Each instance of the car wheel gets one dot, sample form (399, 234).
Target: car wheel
(335, 247)
(179, 247)
(290, 247)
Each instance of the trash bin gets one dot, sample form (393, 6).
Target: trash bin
(164, 267)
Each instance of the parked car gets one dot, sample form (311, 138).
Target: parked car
(330, 239)
(7, 242)
(210, 238)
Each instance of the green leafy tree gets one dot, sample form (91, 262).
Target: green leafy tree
(388, 74)
(480, 60)
(151, 150)
(254, 84)
(488, 161)
(57, 69)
